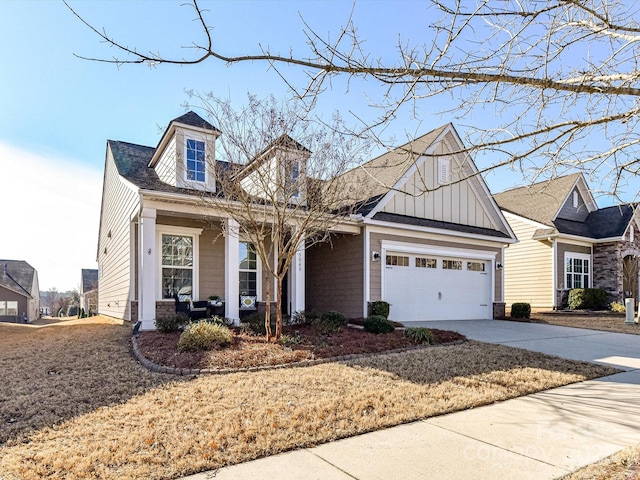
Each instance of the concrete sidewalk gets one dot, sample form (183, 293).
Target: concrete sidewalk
(540, 436)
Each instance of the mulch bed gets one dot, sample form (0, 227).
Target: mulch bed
(254, 351)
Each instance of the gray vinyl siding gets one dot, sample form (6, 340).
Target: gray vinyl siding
(569, 212)
(334, 276)
(119, 202)
(23, 305)
(375, 279)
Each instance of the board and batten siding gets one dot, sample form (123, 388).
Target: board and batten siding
(334, 276)
(528, 267)
(578, 213)
(119, 202)
(375, 272)
(456, 203)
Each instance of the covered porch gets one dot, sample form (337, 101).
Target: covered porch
(181, 252)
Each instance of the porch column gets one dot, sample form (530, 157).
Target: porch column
(147, 280)
(297, 271)
(232, 270)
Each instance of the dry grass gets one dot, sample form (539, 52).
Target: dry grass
(99, 415)
(594, 321)
(624, 465)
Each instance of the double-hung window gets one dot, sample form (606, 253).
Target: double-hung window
(177, 265)
(577, 270)
(195, 160)
(248, 269)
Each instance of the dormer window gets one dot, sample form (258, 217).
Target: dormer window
(292, 179)
(195, 161)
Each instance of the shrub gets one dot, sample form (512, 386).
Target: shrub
(255, 323)
(301, 317)
(520, 310)
(587, 299)
(419, 334)
(172, 323)
(380, 307)
(204, 336)
(222, 321)
(294, 339)
(329, 322)
(378, 324)
(618, 307)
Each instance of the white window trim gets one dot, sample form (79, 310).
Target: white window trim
(258, 274)
(582, 256)
(183, 231)
(188, 180)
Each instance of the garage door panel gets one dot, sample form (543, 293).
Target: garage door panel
(417, 293)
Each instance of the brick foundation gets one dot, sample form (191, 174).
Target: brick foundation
(499, 310)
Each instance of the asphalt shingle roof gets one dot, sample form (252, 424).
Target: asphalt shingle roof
(17, 275)
(542, 201)
(132, 162)
(424, 222)
(603, 223)
(376, 177)
(539, 202)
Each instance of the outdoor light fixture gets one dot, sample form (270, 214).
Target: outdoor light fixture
(375, 256)
(498, 266)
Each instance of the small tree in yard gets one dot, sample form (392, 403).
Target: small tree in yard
(279, 180)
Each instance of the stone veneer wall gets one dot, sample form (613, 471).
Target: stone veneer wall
(607, 268)
(607, 265)
(499, 310)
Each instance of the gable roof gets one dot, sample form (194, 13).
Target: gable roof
(541, 201)
(17, 275)
(609, 222)
(191, 119)
(194, 120)
(282, 142)
(89, 279)
(369, 182)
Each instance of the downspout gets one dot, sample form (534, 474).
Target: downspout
(555, 287)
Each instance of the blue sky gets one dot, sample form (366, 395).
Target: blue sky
(57, 111)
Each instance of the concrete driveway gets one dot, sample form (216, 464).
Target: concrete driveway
(615, 349)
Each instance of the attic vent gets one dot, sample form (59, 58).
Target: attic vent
(444, 169)
(575, 199)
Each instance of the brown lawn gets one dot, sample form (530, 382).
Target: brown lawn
(75, 405)
(608, 322)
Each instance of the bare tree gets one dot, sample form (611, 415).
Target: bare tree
(277, 173)
(51, 300)
(554, 81)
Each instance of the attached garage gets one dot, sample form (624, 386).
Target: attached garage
(431, 285)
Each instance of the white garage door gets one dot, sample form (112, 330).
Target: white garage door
(430, 287)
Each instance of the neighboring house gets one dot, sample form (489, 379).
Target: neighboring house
(19, 292)
(565, 242)
(433, 256)
(89, 290)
